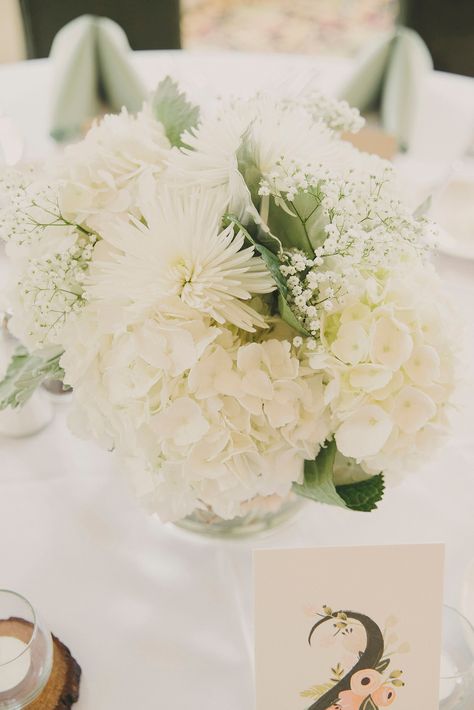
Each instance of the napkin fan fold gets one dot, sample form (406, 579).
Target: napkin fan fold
(388, 78)
(92, 68)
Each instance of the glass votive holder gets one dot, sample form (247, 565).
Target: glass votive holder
(26, 652)
(457, 662)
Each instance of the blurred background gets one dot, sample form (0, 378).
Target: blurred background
(327, 27)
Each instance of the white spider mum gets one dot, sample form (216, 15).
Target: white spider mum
(181, 253)
(246, 140)
(209, 158)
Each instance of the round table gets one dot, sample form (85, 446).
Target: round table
(155, 616)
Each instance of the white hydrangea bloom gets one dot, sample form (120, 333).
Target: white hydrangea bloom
(203, 418)
(391, 368)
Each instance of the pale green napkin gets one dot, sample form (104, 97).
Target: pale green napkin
(91, 67)
(388, 78)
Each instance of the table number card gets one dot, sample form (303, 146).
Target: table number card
(353, 628)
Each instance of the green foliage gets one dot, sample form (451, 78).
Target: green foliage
(176, 113)
(318, 478)
(319, 484)
(26, 372)
(368, 704)
(363, 495)
(247, 166)
(272, 263)
(289, 317)
(299, 224)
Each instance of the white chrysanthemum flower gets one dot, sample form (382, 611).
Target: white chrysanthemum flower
(180, 252)
(288, 131)
(104, 171)
(209, 159)
(391, 366)
(260, 132)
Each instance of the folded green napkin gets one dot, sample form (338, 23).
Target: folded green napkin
(91, 67)
(388, 78)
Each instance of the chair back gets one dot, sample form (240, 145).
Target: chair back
(149, 24)
(447, 27)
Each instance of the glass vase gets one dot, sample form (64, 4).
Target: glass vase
(260, 515)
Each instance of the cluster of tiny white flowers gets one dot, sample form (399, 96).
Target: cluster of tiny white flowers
(355, 224)
(50, 291)
(310, 288)
(49, 256)
(336, 114)
(15, 201)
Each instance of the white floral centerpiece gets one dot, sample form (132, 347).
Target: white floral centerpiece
(239, 299)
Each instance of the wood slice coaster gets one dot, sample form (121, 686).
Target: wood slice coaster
(62, 689)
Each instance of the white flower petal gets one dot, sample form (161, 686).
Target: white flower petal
(370, 377)
(351, 344)
(182, 422)
(391, 344)
(364, 432)
(412, 409)
(424, 365)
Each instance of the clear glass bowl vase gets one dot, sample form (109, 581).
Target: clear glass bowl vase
(260, 515)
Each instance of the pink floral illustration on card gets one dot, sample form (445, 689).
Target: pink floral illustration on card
(371, 683)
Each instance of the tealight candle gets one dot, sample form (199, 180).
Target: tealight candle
(14, 662)
(26, 652)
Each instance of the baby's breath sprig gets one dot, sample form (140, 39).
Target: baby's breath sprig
(57, 252)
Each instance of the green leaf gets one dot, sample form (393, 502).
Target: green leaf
(383, 665)
(271, 260)
(289, 317)
(247, 166)
(26, 372)
(369, 704)
(363, 495)
(272, 263)
(176, 113)
(318, 478)
(270, 241)
(300, 225)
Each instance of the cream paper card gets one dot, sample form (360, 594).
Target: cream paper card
(349, 628)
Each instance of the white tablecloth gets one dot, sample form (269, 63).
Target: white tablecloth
(156, 617)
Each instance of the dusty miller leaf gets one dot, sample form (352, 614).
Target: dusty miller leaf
(26, 372)
(176, 113)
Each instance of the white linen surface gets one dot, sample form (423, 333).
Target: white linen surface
(155, 616)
